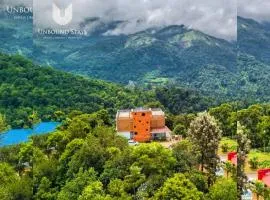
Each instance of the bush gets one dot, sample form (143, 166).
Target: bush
(254, 162)
(180, 130)
(225, 147)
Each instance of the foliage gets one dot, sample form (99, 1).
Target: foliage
(224, 147)
(254, 163)
(180, 130)
(223, 189)
(186, 156)
(260, 190)
(242, 151)
(225, 114)
(31, 92)
(205, 134)
(178, 187)
(3, 123)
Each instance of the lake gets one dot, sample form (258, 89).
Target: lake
(16, 136)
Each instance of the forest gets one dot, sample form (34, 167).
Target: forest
(85, 159)
(29, 92)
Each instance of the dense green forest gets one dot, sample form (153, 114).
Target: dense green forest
(29, 92)
(86, 159)
(209, 92)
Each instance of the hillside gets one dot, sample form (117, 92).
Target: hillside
(174, 55)
(253, 60)
(171, 54)
(28, 89)
(254, 39)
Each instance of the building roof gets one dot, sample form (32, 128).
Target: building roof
(266, 180)
(123, 114)
(127, 113)
(232, 157)
(264, 176)
(158, 112)
(160, 130)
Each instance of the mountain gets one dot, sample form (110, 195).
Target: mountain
(16, 35)
(254, 39)
(253, 59)
(157, 56)
(28, 89)
(174, 55)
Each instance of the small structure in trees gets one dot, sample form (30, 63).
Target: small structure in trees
(264, 176)
(232, 157)
(142, 125)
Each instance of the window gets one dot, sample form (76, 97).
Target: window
(143, 114)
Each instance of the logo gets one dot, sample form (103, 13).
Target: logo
(19, 10)
(62, 16)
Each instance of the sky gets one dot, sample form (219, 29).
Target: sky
(213, 17)
(255, 9)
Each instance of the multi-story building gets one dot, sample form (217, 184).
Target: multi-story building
(142, 125)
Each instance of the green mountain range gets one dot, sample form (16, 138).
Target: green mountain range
(253, 59)
(170, 55)
(28, 90)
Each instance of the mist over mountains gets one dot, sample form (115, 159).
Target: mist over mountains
(174, 54)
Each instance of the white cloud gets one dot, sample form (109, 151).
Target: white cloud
(214, 17)
(27, 3)
(256, 9)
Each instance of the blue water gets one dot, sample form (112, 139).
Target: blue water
(16, 136)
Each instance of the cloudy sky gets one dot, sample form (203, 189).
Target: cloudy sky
(214, 17)
(256, 9)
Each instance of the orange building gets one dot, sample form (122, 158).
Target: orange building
(142, 125)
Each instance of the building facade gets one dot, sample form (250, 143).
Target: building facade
(142, 125)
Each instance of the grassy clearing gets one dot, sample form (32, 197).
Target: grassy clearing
(230, 143)
(261, 155)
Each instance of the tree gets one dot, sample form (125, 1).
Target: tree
(178, 187)
(186, 155)
(264, 131)
(117, 191)
(223, 189)
(260, 190)
(250, 119)
(33, 119)
(73, 188)
(224, 115)
(59, 115)
(45, 191)
(180, 129)
(134, 179)
(3, 123)
(229, 168)
(242, 151)
(153, 159)
(205, 134)
(94, 191)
